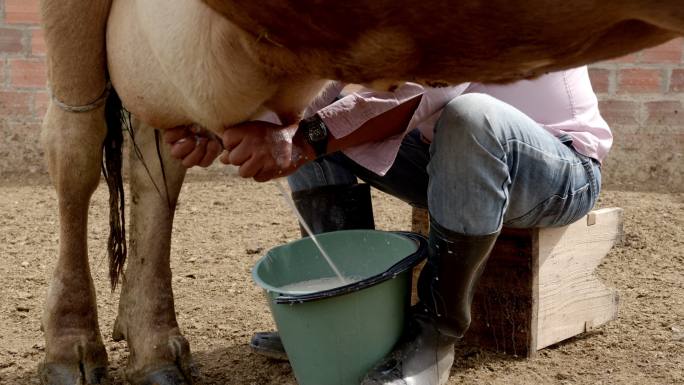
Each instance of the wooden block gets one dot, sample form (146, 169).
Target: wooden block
(539, 286)
(420, 221)
(570, 296)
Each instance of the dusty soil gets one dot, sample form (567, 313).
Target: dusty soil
(222, 228)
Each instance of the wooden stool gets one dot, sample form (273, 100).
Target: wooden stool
(539, 285)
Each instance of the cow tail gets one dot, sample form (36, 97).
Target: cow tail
(116, 117)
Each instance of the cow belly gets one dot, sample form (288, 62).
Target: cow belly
(177, 63)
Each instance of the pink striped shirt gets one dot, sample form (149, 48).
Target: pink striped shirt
(561, 102)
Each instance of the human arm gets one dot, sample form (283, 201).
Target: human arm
(349, 114)
(194, 146)
(264, 151)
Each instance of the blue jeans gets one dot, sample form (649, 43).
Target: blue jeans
(488, 165)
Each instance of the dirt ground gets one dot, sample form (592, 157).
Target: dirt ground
(223, 226)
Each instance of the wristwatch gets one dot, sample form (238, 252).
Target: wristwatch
(316, 133)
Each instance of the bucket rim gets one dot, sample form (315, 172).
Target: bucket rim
(400, 267)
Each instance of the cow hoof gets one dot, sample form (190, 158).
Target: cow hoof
(70, 374)
(168, 375)
(180, 372)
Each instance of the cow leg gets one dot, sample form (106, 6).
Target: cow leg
(159, 354)
(74, 36)
(74, 352)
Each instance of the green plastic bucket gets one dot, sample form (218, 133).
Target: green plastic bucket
(333, 337)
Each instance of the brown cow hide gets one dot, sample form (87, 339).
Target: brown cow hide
(452, 41)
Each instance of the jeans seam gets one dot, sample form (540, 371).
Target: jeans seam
(588, 164)
(320, 173)
(543, 152)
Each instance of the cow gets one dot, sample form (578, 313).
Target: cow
(215, 63)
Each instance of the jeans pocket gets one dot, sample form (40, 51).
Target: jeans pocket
(556, 210)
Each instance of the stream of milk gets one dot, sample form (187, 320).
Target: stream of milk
(341, 279)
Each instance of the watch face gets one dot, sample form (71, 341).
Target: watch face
(316, 132)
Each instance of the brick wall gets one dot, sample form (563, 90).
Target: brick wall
(641, 97)
(23, 98)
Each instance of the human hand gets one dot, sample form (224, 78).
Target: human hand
(264, 151)
(193, 145)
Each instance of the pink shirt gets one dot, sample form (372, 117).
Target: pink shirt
(561, 102)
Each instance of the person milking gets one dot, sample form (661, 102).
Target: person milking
(477, 156)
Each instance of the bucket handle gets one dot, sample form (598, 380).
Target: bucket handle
(406, 263)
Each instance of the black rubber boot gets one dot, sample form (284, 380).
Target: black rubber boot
(445, 289)
(327, 208)
(336, 207)
(447, 283)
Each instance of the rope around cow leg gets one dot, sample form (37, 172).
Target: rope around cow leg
(84, 108)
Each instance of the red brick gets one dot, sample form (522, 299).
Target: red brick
(665, 113)
(41, 100)
(670, 52)
(22, 12)
(620, 112)
(600, 79)
(677, 80)
(11, 40)
(15, 105)
(28, 73)
(639, 80)
(37, 42)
